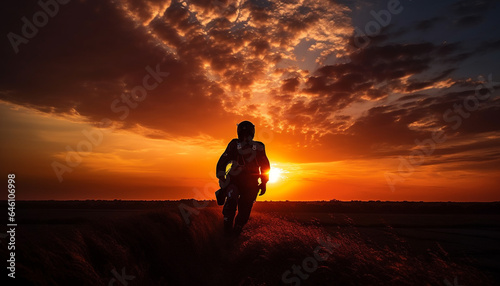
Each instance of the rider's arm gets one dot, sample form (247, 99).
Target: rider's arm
(265, 167)
(224, 159)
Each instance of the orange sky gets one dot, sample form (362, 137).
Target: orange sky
(339, 121)
(127, 165)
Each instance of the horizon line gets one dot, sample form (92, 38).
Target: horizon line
(268, 201)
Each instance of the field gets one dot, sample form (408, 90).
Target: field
(285, 243)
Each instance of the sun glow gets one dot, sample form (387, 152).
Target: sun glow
(275, 174)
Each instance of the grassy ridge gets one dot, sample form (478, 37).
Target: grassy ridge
(159, 248)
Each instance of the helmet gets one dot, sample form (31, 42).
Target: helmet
(246, 129)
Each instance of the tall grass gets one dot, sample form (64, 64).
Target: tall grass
(159, 248)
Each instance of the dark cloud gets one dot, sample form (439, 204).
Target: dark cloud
(470, 13)
(469, 20)
(371, 73)
(428, 24)
(488, 46)
(229, 60)
(290, 85)
(464, 7)
(418, 85)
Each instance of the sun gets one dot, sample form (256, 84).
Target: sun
(275, 174)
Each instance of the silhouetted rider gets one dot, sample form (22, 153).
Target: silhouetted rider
(248, 163)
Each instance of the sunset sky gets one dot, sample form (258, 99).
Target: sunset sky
(138, 99)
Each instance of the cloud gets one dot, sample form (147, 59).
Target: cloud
(428, 24)
(287, 66)
(470, 13)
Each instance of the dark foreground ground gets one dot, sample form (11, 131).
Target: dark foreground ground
(285, 243)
